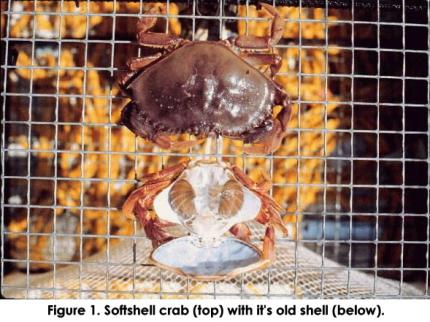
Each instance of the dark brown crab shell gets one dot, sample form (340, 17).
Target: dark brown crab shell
(201, 88)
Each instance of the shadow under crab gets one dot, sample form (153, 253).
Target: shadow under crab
(207, 88)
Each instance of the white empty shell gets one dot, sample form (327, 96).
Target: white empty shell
(206, 223)
(229, 257)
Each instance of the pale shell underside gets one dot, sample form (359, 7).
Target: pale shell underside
(230, 257)
(207, 200)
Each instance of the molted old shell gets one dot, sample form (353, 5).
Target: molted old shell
(209, 89)
(208, 198)
(231, 257)
(207, 201)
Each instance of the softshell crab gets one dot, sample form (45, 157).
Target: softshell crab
(207, 88)
(210, 199)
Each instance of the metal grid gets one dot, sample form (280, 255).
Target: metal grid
(327, 207)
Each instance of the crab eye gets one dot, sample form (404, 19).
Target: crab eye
(231, 199)
(181, 198)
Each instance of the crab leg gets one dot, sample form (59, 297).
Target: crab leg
(270, 210)
(167, 173)
(137, 206)
(164, 142)
(140, 201)
(158, 40)
(264, 43)
(272, 140)
(262, 187)
(154, 39)
(266, 184)
(124, 78)
(132, 119)
(137, 63)
(269, 244)
(270, 216)
(143, 196)
(271, 219)
(273, 60)
(153, 226)
(242, 232)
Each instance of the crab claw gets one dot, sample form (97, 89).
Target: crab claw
(269, 244)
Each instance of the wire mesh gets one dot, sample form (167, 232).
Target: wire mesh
(356, 189)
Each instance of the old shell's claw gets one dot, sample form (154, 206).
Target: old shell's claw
(229, 258)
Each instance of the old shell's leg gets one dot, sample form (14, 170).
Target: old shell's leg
(154, 39)
(271, 140)
(264, 43)
(137, 206)
(153, 226)
(142, 194)
(266, 184)
(165, 142)
(270, 212)
(262, 186)
(168, 173)
(273, 60)
(140, 201)
(242, 232)
(271, 218)
(269, 252)
(259, 188)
